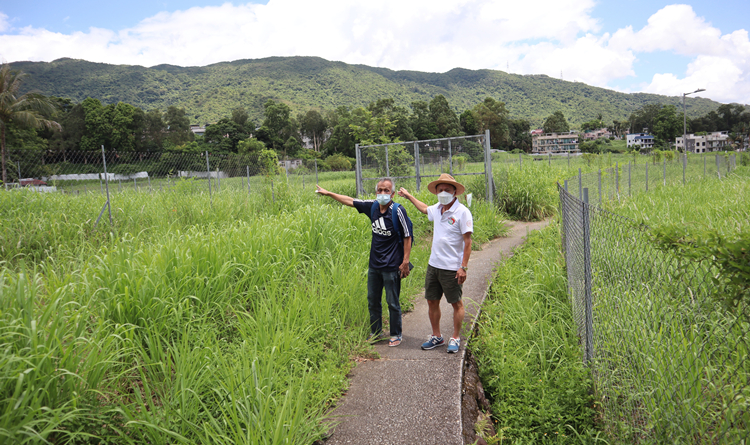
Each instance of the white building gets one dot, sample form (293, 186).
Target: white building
(716, 141)
(554, 142)
(644, 140)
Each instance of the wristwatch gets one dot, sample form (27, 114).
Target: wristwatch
(465, 268)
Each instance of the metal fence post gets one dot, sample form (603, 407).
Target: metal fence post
(316, 171)
(106, 204)
(549, 159)
(520, 161)
(208, 172)
(450, 157)
(358, 174)
(630, 182)
(617, 180)
(589, 322)
(273, 194)
(566, 185)
(684, 167)
(718, 167)
(416, 164)
(387, 167)
(488, 166)
(247, 168)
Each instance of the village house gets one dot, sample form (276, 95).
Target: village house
(715, 141)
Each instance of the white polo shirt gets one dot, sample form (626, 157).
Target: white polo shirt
(447, 235)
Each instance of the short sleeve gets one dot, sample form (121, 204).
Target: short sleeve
(363, 206)
(401, 212)
(467, 223)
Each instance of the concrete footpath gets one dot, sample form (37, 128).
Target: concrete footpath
(411, 396)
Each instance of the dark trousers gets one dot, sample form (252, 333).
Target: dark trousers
(391, 281)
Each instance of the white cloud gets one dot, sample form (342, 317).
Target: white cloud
(428, 35)
(721, 63)
(533, 36)
(4, 23)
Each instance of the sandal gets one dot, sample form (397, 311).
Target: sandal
(395, 341)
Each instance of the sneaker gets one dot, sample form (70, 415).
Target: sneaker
(454, 344)
(433, 342)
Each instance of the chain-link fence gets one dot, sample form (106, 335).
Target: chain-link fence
(416, 160)
(111, 172)
(670, 362)
(641, 175)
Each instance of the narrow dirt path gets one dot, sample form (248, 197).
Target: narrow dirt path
(411, 396)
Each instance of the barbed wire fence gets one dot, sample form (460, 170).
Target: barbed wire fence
(111, 172)
(669, 360)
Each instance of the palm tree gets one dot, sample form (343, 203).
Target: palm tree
(27, 110)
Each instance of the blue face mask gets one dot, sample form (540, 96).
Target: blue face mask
(383, 199)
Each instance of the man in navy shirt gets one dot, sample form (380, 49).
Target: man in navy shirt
(389, 255)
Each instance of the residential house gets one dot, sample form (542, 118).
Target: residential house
(715, 141)
(553, 143)
(643, 140)
(592, 135)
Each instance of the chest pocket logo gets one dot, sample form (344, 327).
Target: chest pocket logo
(379, 227)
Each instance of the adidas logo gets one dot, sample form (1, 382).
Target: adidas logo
(379, 227)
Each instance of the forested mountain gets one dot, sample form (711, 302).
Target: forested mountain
(211, 92)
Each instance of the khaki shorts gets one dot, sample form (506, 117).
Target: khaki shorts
(438, 282)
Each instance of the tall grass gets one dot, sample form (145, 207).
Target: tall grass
(527, 350)
(225, 318)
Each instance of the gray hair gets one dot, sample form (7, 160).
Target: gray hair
(384, 179)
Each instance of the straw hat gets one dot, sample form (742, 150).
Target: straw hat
(445, 178)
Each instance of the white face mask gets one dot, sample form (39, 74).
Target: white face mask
(444, 198)
(383, 199)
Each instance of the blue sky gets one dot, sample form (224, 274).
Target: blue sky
(650, 46)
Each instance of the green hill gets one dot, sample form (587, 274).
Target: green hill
(210, 92)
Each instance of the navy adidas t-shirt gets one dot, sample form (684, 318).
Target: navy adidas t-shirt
(386, 252)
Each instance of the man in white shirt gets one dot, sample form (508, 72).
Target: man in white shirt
(449, 258)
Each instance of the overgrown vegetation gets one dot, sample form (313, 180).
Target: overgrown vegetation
(228, 319)
(528, 353)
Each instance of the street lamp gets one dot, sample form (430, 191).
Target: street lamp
(684, 119)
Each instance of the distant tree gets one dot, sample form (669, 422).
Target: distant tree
(667, 125)
(341, 139)
(371, 130)
(250, 145)
(277, 125)
(240, 117)
(519, 134)
(468, 123)
(644, 117)
(420, 121)
(444, 117)
(178, 126)
(98, 126)
(30, 110)
(313, 126)
(492, 115)
(556, 123)
(225, 135)
(154, 130)
(593, 124)
(730, 115)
